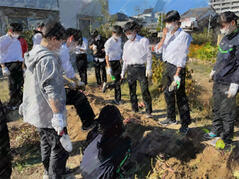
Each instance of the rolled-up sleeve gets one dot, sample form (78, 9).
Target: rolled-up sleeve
(107, 48)
(148, 55)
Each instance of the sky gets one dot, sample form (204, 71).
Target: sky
(133, 7)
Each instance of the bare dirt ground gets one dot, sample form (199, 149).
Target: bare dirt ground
(159, 152)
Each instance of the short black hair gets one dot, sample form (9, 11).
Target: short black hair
(95, 34)
(227, 17)
(117, 29)
(16, 27)
(172, 16)
(131, 26)
(40, 25)
(53, 29)
(74, 32)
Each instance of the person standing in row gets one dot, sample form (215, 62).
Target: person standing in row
(225, 75)
(11, 61)
(97, 46)
(81, 57)
(174, 47)
(137, 54)
(113, 51)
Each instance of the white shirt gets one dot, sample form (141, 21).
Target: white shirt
(37, 39)
(10, 49)
(81, 49)
(137, 52)
(175, 48)
(113, 49)
(65, 61)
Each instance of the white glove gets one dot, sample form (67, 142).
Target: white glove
(232, 90)
(122, 76)
(20, 110)
(66, 142)
(5, 71)
(149, 73)
(57, 123)
(177, 79)
(212, 74)
(109, 71)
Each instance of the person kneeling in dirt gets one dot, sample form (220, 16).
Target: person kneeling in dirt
(108, 149)
(74, 96)
(225, 75)
(5, 164)
(44, 100)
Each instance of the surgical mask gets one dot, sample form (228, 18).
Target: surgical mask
(226, 30)
(15, 35)
(170, 27)
(131, 37)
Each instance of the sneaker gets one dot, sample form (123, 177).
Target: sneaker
(168, 122)
(184, 130)
(209, 135)
(104, 88)
(86, 126)
(45, 176)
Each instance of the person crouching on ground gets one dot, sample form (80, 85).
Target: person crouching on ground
(108, 149)
(44, 100)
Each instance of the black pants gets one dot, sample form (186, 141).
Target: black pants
(137, 73)
(81, 63)
(116, 71)
(15, 83)
(224, 112)
(82, 105)
(54, 156)
(182, 101)
(100, 72)
(5, 156)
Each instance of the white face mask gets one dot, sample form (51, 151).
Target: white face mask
(131, 37)
(170, 27)
(15, 35)
(225, 31)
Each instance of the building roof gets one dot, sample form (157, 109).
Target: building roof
(119, 17)
(198, 13)
(148, 11)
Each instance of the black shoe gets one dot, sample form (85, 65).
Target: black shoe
(88, 126)
(184, 130)
(168, 122)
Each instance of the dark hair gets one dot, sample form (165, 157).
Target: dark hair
(117, 29)
(227, 17)
(16, 27)
(95, 34)
(80, 41)
(131, 26)
(74, 32)
(172, 16)
(53, 29)
(40, 25)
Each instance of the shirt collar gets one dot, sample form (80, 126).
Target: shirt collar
(176, 33)
(137, 38)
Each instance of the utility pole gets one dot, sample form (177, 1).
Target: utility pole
(209, 25)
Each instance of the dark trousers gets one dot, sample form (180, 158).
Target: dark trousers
(81, 63)
(15, 83)
(100, 72)
(54, 156)
(137, 73)
(82, 105)
(116, 71)
(182, 101)
(224, 112)
(5, 156)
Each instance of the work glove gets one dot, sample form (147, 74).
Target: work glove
(58, 123)
(109, 71)
(149, 73)
(66, 142)
(212, 75)
(177, 80)
(232, 90)
(5, 71)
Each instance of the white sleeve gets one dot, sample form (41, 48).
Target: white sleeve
(5, 42)
(66, 64)
(107, 47)
(124, 67)
(182, 52)
(148, 55)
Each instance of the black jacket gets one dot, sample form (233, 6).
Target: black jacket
(100, 43)
(227, 64)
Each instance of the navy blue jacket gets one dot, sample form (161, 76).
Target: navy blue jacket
(227, 64)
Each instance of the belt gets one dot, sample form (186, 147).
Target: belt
(137, 65)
